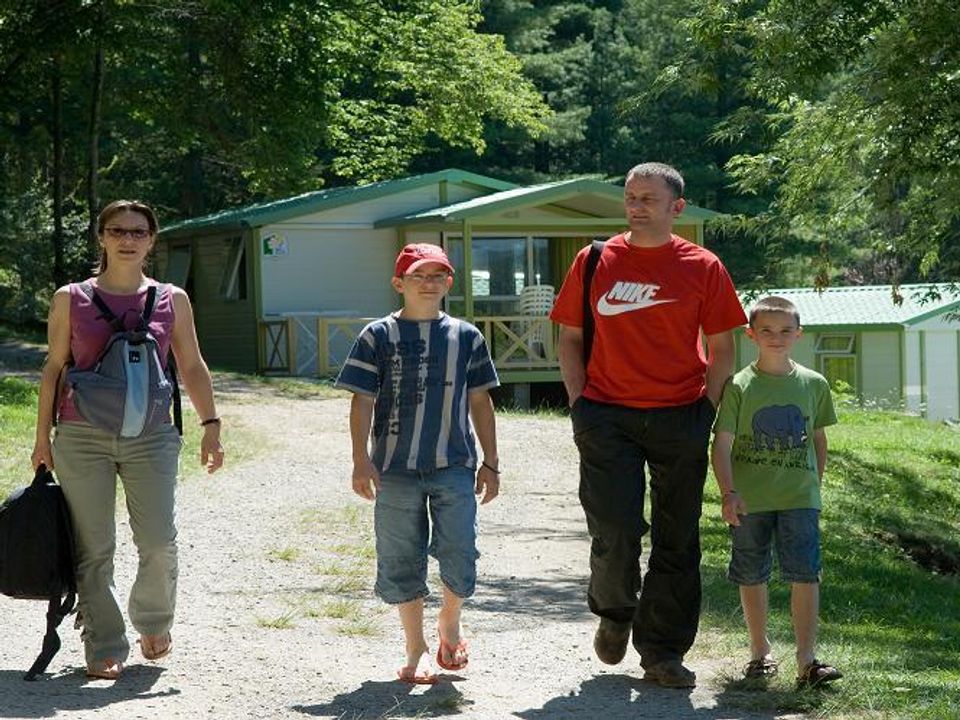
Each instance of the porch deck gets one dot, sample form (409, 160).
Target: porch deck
(523, 347)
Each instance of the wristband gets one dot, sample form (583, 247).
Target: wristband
(730, 492)
(490, 467)
(210, 421)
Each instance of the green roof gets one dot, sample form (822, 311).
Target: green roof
(870, 304)
(567, 194)
(266, 213)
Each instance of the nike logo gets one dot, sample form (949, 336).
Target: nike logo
(629, 296)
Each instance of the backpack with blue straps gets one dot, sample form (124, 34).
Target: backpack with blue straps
(127, 392)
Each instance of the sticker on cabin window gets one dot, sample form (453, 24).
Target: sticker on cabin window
(275, 245)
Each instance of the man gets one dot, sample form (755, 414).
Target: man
(647, 395)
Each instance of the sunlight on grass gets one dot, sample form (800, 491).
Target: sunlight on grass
(887, 620)
(283, 621)
(18, 422)
(361, 627)
(342, 610)
(298, 388)
(287, 554)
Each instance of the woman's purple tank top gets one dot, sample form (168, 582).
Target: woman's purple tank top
(89, 332)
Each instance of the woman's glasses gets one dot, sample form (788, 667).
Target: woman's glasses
(115, 231)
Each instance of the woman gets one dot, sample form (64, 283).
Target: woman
(88, 459)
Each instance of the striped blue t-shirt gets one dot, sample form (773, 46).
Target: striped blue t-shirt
(420, 372)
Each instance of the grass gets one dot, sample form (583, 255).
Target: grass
(287, 554)
(284, 621)
(890, 615)
(18, 421)
(303, 388)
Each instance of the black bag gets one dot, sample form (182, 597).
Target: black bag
(37, 557)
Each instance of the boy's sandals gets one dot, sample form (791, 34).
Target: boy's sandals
(420, 674)
(817, 673)
(154, 647)
(108, 669)
(761, 668)
(457, 654)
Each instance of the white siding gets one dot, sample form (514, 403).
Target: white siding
(330, 271)
(939, 322)
(943, 384)
(912, 367)
(880, 358)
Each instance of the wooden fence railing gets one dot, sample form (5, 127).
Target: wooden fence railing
(290, 346)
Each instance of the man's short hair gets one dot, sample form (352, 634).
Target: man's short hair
(774, 303)
(670, 175)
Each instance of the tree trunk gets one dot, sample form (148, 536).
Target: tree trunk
(96, 98)
(192, 193)
(56, 91)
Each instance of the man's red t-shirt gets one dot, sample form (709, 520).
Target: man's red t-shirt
(649, 306)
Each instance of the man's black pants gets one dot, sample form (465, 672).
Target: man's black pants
(614, 443)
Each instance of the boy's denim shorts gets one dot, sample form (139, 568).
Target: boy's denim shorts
(417, 513)
(797, 535)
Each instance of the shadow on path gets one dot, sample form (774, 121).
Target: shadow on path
(71, 691)
(388, 699)
(619, 697)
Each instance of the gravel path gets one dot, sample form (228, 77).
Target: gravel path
(276, 617)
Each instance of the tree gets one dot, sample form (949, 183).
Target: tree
(197, 105)
(863, 102)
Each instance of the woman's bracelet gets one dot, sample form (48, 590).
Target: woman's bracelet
(490, 467)
(210, 421)
(730, 492)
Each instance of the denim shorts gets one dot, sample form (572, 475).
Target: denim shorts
(417, 513)
(797, 535)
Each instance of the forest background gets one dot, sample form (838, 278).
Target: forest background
(827, 130)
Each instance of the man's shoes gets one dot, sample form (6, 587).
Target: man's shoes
(671, 674)
(611, 640)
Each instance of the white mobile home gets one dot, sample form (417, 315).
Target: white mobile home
(904, 355)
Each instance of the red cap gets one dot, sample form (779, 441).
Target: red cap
(417, 254)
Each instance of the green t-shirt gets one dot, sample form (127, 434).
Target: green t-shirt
(772, 419)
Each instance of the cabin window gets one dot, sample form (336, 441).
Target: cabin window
(501, 268)
(178, 265)
(837, 359)
(233, 283)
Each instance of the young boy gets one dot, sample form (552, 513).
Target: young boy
(419, 378)
(769, 454)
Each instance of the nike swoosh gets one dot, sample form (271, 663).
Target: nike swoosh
(604, 307)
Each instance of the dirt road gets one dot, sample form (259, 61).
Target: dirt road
(276, 618)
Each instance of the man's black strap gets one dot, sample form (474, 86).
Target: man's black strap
(593, 259)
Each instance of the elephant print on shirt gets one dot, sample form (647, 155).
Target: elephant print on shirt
(779, 426)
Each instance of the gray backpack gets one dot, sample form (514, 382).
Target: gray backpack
(127, 392)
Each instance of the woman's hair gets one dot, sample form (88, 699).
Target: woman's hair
(115, 208)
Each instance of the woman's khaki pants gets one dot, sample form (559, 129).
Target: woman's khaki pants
(87, 462)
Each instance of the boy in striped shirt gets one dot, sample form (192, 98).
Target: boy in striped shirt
(420, 381)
